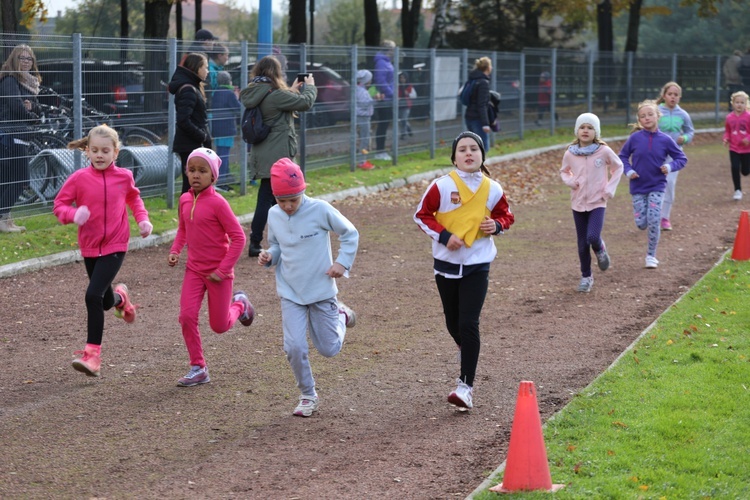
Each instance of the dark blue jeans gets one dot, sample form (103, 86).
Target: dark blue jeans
(476, 127)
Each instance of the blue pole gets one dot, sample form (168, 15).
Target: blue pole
(265, 28)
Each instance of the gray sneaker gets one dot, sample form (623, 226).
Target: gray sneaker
(307, 406)
(586, 284)
(195, 376)
(602, 258)
(349, 314)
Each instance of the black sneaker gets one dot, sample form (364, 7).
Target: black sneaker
(254, 249)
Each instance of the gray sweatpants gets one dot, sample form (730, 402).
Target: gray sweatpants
(327, 328)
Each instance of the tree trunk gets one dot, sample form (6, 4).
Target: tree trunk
(198, 15)
(410, 22)
(178, 20)
(531, 23)
(10, 17)
(634, 22)
(124, 25)
(606, 45)
(437, 37)
(372, 24)
(297, 22)
(156, 27)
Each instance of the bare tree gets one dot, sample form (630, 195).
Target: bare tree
(634, 22)
(410, 22)
(439, 24)
(372, 24)
(198, 14)
(157, 27)
(297, 24)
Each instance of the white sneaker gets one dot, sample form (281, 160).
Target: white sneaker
(462, 395)
(349, 314)
(737, 195)
(651, 262)
(307, 405)
(586, 284)
(383, 156)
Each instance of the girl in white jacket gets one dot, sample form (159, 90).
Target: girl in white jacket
(592, 170)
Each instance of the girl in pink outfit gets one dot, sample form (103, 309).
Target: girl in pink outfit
(97, 198)
(215, 241)
(737, 139)
(592, 171)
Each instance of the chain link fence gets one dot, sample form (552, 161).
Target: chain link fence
(122, 82)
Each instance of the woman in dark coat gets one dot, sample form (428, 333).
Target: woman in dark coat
(190, 106)
(19, 111)
(476, 116)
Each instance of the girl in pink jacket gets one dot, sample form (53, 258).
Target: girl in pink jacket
(592, 170)
(97, 198)
(215, 241)
(737, 139)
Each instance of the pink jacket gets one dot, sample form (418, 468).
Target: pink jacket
(211, 231)
(737, 132)
(107, 193)
(593, 179)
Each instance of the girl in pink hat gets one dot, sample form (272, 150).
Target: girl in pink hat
(215, 241)
(299, 240)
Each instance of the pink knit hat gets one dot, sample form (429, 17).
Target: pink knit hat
(287, 179)
(212, 158)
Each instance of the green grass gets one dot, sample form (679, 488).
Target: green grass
(671, 419)
(45, 236)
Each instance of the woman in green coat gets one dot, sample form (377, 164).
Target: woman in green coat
(279, 105)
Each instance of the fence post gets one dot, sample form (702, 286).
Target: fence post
(674, 67)
(243, 147)
(433, 126)
(718, 89)
(553, 94)
(629, 89)
(171, 116)
(522, 96)
(590, 83)
(77, 97)
(394, 105)
(303, 115)
(354, 56)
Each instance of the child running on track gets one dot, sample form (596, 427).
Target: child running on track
(215, 241)
(592, 171)
(676, 123)
(97, 198)
(460, 212)
(299, 230)
(646, 161)
(737, 139)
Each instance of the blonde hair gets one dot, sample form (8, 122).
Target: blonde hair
(740, 93)
(664, 89)
(483, 64)
(12, 65)
(648, 102)
(102, 130)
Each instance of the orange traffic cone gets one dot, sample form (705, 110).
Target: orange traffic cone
(741, 250)
(526, 467)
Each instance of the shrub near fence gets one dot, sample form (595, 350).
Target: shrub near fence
(127, 79)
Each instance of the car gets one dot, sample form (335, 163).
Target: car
(112, 87)
(332, 104)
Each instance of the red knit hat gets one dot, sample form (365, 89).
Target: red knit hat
(287, 179)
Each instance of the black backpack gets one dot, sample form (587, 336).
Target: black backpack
(254, 131)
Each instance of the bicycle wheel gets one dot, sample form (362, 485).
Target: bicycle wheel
(43, 181)
(137, 136)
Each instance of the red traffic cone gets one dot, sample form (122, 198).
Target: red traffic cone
(526, 467)
(741, 250)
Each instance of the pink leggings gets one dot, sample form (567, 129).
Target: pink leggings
(222, 312)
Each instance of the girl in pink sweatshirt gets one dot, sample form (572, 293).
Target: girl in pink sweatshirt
(737, 139)
(592, 171)
(97, 198)
(215, 241)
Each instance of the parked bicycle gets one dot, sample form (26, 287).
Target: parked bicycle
(56, 129)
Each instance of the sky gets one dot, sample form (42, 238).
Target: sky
(54, 5)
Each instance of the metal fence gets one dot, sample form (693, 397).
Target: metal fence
(123, 82)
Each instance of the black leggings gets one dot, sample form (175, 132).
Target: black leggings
(589, 233)
(99, 295)
(740, 163)
(14, 172)
(264, 203)
(462, 300)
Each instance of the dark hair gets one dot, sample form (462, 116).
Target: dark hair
(193, 62)
(479, 142)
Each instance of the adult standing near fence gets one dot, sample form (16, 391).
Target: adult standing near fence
(203, 43)
(190, 108)
(19, 111)
(732, 78)
(278, 105)
(382, 78)
(217, 58)
(476, 116)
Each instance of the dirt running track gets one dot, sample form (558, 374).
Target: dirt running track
(384, 429)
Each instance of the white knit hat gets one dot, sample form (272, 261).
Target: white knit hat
(364, 77)
(592, 120)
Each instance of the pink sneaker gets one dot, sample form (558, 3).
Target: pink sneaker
(89, 362)
(248, 312)
(665, 225)
(125, 309)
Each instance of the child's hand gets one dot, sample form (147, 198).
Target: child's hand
(264, 257)
(633, 175)
(665, 169)
(454, 243)
(214, 277)
(173, 259)
(336, 270)
(145, 227)
(488, 225)
(82, 215)
(745, 141)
